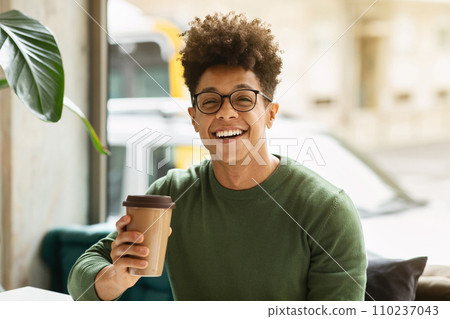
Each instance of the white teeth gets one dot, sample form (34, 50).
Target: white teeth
(228, 133)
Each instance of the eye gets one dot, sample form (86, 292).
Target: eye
(243, 98)
(209, 102)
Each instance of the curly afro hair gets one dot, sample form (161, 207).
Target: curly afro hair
(231, 40)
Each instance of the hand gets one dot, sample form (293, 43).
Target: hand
(124, 250)
(114, 279)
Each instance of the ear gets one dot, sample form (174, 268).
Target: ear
(273, 110)
(191, 111)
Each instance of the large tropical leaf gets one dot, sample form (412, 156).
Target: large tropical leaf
(94, 138)
(32, 63)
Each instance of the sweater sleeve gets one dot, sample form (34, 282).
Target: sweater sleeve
(338, 258)
(81, 281)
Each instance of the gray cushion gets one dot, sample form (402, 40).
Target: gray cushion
(393, 279)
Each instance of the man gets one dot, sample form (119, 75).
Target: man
(249, 225)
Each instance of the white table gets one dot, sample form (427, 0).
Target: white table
(33, 294)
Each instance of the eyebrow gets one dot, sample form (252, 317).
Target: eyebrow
(239, 86)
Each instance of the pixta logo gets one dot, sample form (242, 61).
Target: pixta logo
(141, 147)
(302, 151)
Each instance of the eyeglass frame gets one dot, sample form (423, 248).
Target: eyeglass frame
(222, 97)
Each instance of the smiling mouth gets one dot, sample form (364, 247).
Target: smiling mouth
(229, 133)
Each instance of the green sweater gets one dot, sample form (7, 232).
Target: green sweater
(294, 237)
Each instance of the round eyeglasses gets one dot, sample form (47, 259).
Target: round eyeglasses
(242, 100)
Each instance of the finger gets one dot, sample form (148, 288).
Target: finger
(170, 231)
(129, 250)
(125, 237)
(126, 262)
(122, 223)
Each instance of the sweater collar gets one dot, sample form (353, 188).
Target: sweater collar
(269, 185)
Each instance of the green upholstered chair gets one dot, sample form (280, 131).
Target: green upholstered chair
(61, 247)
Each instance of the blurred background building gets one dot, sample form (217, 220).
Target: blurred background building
(377, 72)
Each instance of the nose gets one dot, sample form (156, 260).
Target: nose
(227, 111)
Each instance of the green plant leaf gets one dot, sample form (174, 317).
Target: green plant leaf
(32, 63)
(94, 138)
(3, 84)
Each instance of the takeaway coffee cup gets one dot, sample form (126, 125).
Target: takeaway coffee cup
(151, 215)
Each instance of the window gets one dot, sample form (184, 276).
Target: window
(137, 70)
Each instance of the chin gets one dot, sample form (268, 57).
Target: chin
(235, 159)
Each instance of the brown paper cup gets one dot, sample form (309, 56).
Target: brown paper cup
(151, 216)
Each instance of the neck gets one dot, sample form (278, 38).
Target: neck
(243, 175)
